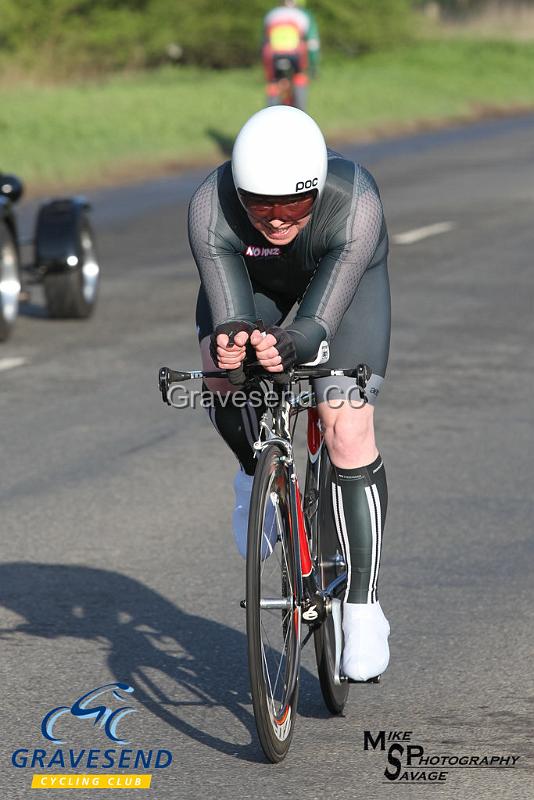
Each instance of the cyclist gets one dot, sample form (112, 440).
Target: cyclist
(290, 40)
(286, 222)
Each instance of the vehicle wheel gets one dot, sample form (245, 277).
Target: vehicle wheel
(330, 564)
(273, 615)
(72, 293)
(9, 281)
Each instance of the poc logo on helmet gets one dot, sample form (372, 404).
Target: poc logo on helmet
(309, 184)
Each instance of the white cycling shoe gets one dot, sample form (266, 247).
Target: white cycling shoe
(243, 490)
(366, 650)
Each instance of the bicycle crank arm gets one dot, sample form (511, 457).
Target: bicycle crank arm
(335, 610)
(346, 679)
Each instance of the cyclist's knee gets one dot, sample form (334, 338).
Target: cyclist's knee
(349, 434)
(300, 79)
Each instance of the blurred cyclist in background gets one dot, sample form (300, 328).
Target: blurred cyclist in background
(290, 51)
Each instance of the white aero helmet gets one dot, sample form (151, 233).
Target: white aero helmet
(279, 151)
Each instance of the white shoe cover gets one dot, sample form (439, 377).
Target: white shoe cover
(243, 490)
(366, 650)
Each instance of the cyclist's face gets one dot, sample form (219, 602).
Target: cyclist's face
(276, 231)
(281, 219)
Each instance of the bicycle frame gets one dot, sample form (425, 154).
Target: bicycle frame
(280, 434)
(314, 603)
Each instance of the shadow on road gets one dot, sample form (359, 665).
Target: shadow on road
(224, 142)
(179, 664)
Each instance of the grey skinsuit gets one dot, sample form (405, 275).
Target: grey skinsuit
(335, 271)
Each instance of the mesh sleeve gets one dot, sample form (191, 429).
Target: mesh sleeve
(221, 267)
(359, 244)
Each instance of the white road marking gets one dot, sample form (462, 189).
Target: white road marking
(11, 363)
(410, 237)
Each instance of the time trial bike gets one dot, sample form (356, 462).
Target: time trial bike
(296, 572)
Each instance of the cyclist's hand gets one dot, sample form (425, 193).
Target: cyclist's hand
(275, 349)
(230, 357)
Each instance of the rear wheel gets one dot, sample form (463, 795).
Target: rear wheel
(72, 293)
(9, 281)
(273, 615)
(330, 564)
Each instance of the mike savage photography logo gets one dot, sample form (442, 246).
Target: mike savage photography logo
(409, 762)
(97, 710)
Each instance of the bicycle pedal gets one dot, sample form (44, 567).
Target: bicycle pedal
(346, 679)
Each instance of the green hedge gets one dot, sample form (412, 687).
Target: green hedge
(62, 37)
(466, 7)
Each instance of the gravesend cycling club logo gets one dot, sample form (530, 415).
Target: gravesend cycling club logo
(409, 762)
(101, 714)
(105, 708)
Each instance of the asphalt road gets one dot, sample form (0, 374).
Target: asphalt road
(117, 558)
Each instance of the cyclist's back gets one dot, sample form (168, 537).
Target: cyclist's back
(286, 28)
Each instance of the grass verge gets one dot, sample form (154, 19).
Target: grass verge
(132, 125)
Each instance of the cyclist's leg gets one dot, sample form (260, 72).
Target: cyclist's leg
(359, 492)
(273, 93)
(272, 88)
(300, 90)
(301, 80)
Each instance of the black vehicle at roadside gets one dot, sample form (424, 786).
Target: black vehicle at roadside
(63, 259)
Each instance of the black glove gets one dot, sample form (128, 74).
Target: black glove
(285, 346)
(230, 329)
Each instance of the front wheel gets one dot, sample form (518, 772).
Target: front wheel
(9, 281)
(273, 611)
(330, 565)
(72, 292)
